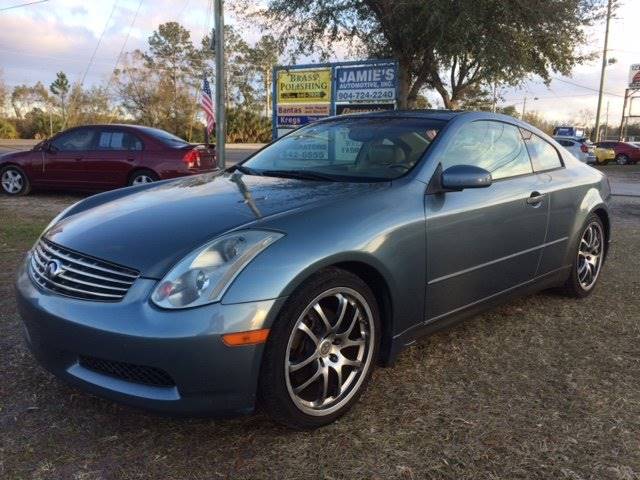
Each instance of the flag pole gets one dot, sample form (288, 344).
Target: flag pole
(206, 127)
(218, 14)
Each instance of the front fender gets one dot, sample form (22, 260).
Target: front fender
(384, 232)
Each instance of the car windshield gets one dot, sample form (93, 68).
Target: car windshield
(348, 149)
(165, 137)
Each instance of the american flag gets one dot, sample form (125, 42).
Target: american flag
(207, 106)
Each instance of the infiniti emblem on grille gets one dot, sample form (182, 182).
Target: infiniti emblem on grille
(54, 268)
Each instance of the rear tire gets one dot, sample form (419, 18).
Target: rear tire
(622, 159)
(316, 362)
(14, 181)
(140, 177)
(589, 257)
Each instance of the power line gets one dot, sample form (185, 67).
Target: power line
(124, 44)
(22, 5)
(585, 87)
(95, 50)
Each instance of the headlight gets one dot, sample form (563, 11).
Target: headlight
(203, 276)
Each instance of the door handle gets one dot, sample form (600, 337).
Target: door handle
(536, 198)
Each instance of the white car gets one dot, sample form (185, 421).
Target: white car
(581, 148)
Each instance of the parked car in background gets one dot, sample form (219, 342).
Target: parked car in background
(580, 147)
(103, 157)
(604, 155)
(626, 152)
(572, 131)
(289, 277)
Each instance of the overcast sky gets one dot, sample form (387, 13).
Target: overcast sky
(37, 41)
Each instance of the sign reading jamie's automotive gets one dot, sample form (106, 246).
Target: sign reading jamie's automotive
(366, 83)
(634, 76)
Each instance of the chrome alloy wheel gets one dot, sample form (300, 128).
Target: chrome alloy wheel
(12, 181)
(330, 351)
(590, 255)
(141, 179)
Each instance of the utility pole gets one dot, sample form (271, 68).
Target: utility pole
(495, 96)
(606, 125)
(524, 105)
(603, 71)
(624, 109)
(218, 15)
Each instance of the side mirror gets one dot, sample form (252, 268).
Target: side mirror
(459, 177)
(50, 147)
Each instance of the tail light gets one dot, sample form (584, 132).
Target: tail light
(584, 148)
(192, 159)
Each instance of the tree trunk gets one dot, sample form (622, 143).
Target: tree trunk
(404, 78)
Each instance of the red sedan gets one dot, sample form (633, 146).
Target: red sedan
(102, 157)
(626, 152)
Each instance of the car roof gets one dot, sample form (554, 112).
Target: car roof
(119, 125)
(426, 113)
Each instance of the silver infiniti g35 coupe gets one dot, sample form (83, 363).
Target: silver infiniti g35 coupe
(285, 280)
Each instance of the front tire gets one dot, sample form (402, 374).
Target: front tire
(321, 351)
(14, 181)
(589, 256)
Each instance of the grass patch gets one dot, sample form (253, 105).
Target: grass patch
(543, 387)
(18, 232)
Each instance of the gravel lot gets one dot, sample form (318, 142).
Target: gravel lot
(542, 387)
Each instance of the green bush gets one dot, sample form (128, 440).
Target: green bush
(7, 129)
(247, 126)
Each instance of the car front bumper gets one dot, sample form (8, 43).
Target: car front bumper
(207, 377)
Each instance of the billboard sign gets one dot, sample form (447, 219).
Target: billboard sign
(366, 83)
(303, 94)
(634, 76)
(304, 86)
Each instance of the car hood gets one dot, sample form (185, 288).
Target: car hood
(5, 157)
(151, 228)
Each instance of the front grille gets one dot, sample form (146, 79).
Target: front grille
(75, 275)
(128, 371)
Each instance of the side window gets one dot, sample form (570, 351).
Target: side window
(495, 146)
(81, 139)
(565, 143)
(117, 140)
(543, 155)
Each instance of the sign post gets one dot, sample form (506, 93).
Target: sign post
(218, 13)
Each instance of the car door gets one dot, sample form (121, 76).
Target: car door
(115, 153)
(484, 242)
(556, 183)
(64, 157)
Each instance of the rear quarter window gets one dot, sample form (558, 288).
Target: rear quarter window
(543, 155)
